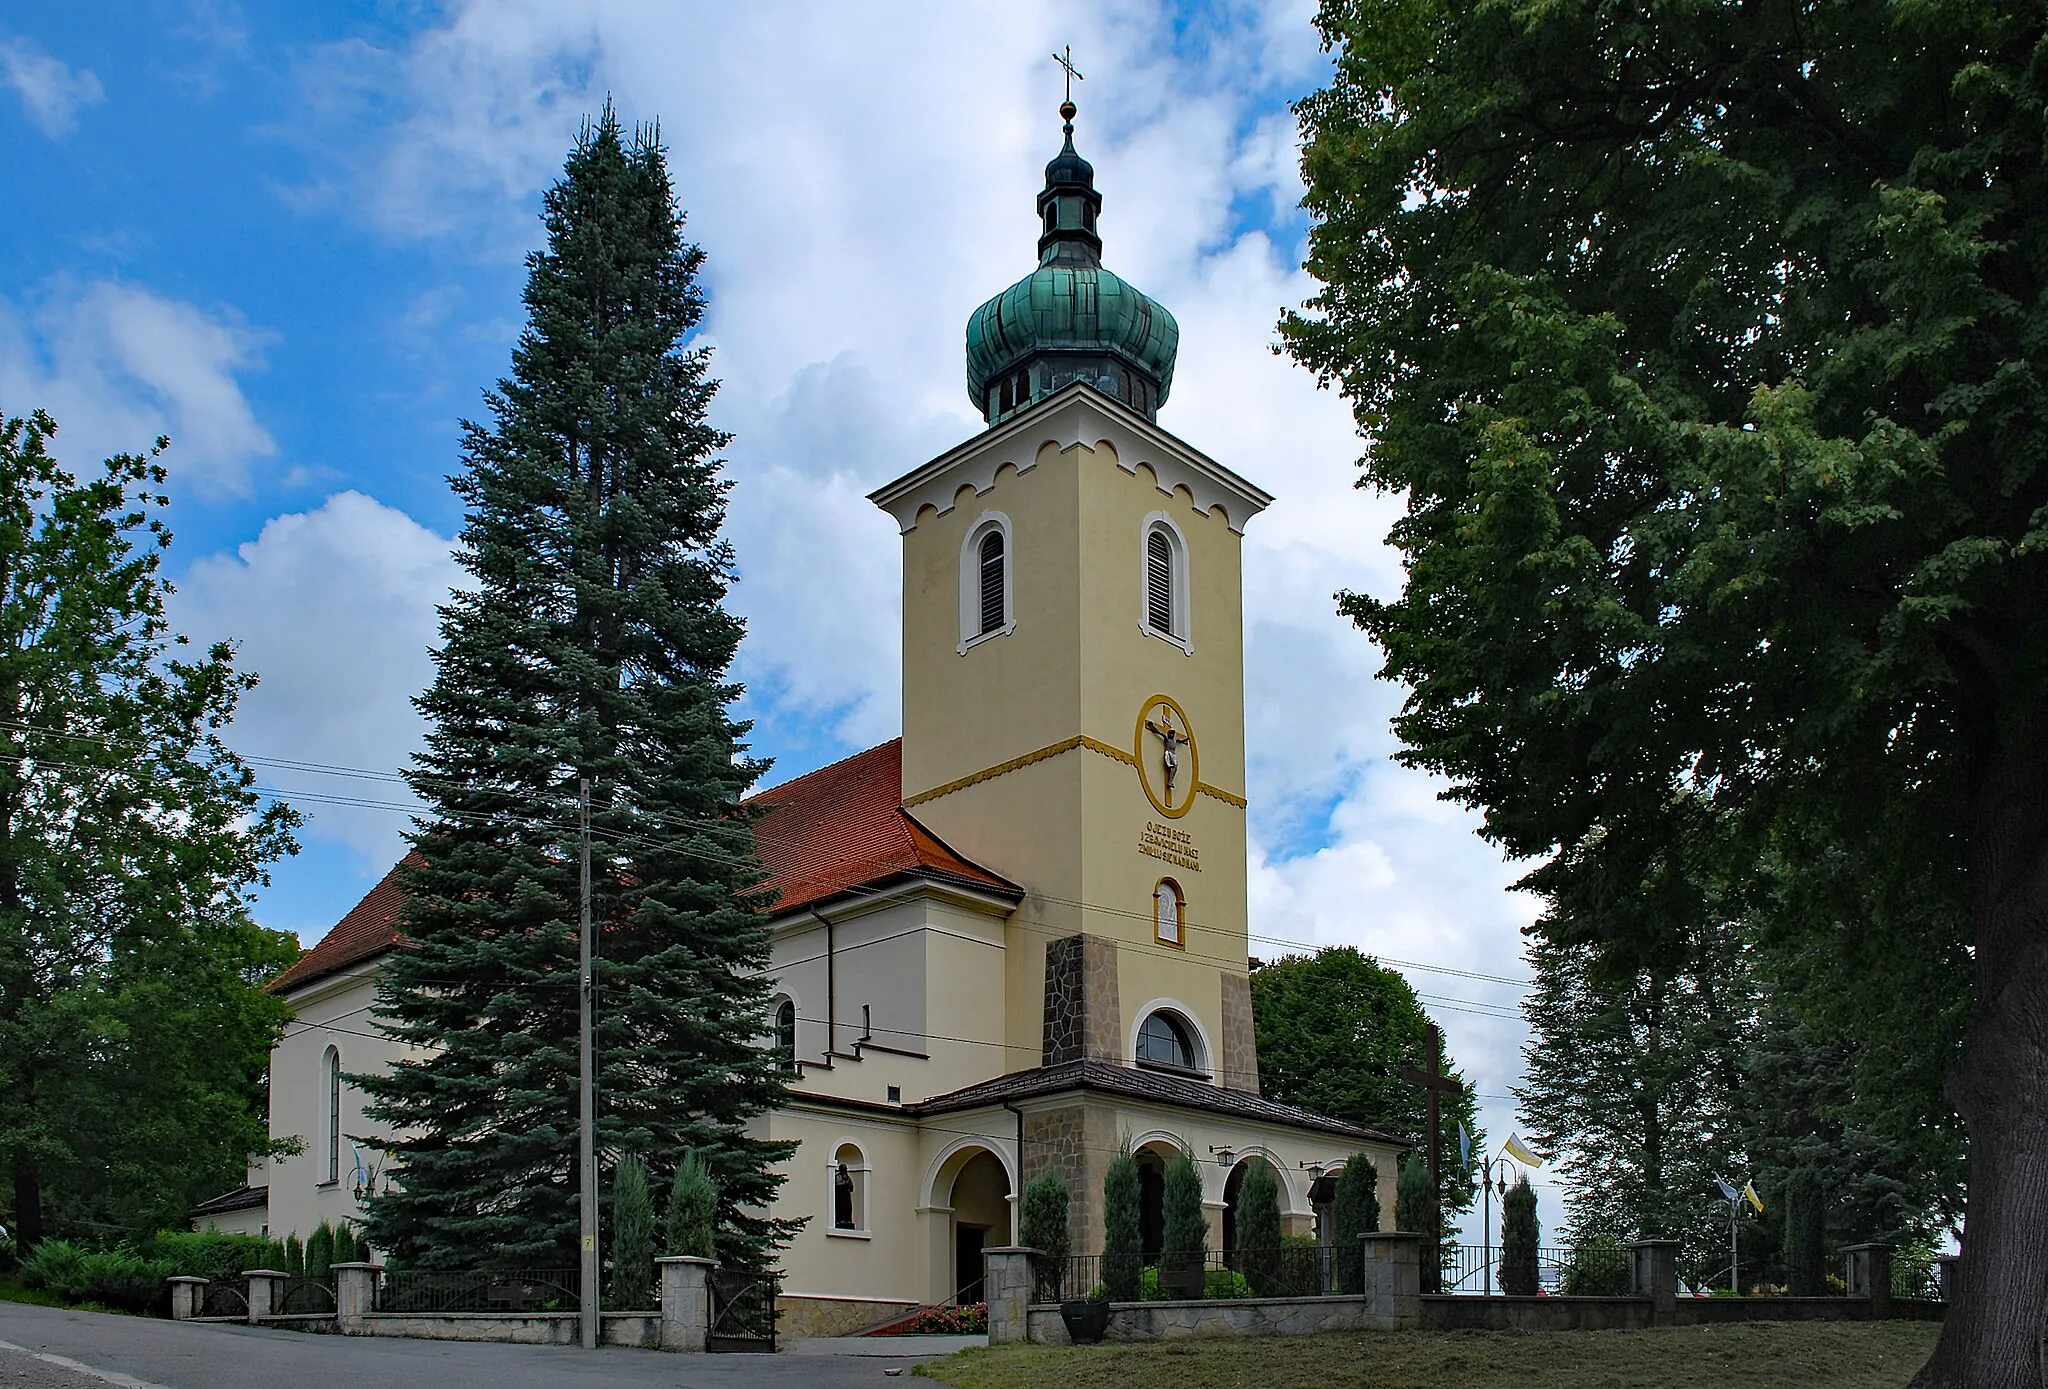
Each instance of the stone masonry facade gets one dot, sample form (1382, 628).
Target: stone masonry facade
(1082, 1016)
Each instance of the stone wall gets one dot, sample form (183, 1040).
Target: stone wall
(1174, 1321)
(1238, 1068)
(1083, 1017)
(799, 1315)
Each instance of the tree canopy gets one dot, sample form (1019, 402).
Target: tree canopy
(1705, 343)
(135, 1035)
(1334, 1030)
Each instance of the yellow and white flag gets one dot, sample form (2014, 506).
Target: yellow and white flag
(1749, 1195)
(1514, 1149)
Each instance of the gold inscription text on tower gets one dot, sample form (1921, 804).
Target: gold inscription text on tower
(1170, 845)
(1168, 761)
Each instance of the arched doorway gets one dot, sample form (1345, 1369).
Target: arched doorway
(1152, 1159)
(981, 1217)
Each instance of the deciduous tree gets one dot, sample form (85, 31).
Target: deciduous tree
(1705, 344)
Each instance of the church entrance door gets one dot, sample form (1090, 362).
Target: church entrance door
(1151, 1202)
(968, 1241)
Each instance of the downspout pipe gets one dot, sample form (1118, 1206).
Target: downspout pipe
(1017, 1209)
(831, 988)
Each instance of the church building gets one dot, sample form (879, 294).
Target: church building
(1015, 937)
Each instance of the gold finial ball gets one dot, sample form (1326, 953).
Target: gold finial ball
(1067, 110)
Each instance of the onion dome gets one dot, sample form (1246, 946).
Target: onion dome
(1069, 320)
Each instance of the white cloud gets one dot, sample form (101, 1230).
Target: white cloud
(116, 365)
(50, 92)
(334, 609)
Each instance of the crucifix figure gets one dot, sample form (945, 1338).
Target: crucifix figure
(1170, 739)
(1066, 60)
(1434, 1083)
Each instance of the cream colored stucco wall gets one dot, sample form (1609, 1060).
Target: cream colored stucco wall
(335, 1012)
(1080, 663)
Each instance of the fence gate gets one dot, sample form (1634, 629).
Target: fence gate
(223, 1301)
(742, 1310)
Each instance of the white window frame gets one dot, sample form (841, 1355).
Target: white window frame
(1180, 908)
(861, 1172)
(1183, 631)
(1187, 1018)
(970, 581)
(784, 996)
(330, 1112)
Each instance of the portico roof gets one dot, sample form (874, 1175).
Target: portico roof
(1142, 1083)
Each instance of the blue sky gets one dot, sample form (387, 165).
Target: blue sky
(291, 237)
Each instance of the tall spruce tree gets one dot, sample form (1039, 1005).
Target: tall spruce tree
(592, 645)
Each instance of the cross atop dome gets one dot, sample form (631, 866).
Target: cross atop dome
(1070, 319)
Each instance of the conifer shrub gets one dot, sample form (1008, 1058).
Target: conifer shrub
(632, 1237)
(1043, 1226)
(320, 1253)
(348, 1248)
(294, 1264)
(1258, 1231)
(218, 1257)
(1519, 1232)
(1415, 1212)
(56, 1267)
(1186, 1237)
(1354, 1211)
(690, 1224)
(1806, 1216)
(1123, 1250)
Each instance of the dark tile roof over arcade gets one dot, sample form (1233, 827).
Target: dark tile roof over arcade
(1142, 1083)
(842, 829)
(242, 1198)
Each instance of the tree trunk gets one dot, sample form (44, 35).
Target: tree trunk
(1991, 1338)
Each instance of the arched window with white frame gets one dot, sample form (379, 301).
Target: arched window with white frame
(1163, 582)
(330, 1065)
(785, 1033)
(849, 1195)
(1169, 914)
(987, 581)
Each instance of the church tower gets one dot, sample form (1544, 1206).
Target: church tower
(1073, 666)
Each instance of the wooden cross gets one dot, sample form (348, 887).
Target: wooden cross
(1067, 62)
(1434, 1083)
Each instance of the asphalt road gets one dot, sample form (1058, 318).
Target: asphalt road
(142, 1353)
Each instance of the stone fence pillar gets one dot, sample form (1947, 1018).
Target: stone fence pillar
(1393, 1277)
(1006, 1282)
(685, 1301)
(355, 1297)
(187, 1293)
(1653, 1273)
(1869, 1275)
(1949, 1270)
(266, 1291)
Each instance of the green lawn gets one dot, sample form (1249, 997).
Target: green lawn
(1810, 1355)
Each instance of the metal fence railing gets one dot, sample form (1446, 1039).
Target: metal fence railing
(1917, 1279)
(1587, 1270)
(484, 1290)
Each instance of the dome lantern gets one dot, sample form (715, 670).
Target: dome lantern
(1070, 319)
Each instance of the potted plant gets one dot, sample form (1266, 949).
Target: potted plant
(1087, 1318)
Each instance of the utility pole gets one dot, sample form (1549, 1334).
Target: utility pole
(586, 1099)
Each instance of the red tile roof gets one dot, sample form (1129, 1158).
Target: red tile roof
(838, 830)
(370, 928)
(844, 827)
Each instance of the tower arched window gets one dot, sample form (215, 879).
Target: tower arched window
(1164, 582)
(1169, 914)
(1165, 1040)
(987, 581)
(331, 1067)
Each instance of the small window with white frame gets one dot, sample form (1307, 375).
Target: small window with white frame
(987, 581)
(331, 1066)
(1163, 582)
(1169, 914)
(849, 1199)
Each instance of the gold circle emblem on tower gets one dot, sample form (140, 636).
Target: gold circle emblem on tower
(1164, 748)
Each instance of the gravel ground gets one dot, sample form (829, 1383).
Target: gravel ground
(20, 1370)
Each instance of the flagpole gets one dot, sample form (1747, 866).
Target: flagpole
(1734, 1253)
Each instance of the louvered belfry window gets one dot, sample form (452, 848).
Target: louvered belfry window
(991, 583)
(1159, 582)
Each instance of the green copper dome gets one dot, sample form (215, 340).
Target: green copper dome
(1070, 319)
